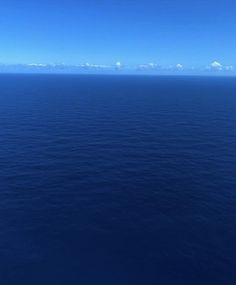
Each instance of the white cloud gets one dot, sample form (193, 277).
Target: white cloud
(148, 66)
(118, 65)
(229, 68)
(215, 65)
(179, 66)
(37, 65)
(95, 66)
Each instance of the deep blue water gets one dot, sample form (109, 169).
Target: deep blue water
(117, 180)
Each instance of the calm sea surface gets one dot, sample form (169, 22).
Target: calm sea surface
(117, 180)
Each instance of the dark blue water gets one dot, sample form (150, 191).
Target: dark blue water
(117, 180)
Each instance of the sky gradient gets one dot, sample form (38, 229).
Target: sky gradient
(133, 32)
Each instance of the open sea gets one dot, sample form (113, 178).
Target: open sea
(117, 180)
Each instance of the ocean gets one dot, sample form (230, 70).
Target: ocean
(127, 180)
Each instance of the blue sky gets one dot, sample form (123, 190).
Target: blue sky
(166, 32)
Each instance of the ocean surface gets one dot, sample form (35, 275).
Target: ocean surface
(109, 180)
